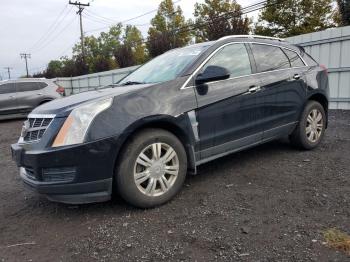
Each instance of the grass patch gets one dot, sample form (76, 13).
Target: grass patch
(338, 240)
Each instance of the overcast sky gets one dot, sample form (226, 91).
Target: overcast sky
(26, 26)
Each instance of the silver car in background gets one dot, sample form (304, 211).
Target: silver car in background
(20, 97)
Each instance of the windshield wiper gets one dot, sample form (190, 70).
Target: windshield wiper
(129, 83)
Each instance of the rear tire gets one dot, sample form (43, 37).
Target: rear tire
(311, 127)
(152, 168)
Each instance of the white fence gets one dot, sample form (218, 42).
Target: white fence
(330, 47)
(74, 85)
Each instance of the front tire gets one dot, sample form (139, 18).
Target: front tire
(311, 127)
(152, 168)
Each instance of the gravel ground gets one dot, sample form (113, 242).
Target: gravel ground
(270, 203)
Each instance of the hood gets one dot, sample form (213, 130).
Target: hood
(63, 106)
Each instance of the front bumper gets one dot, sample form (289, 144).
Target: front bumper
(75, 175)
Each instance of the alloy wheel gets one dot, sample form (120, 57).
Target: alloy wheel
(156, 169)
(314, 125)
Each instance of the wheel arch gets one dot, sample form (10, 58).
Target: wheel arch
(44, 101)
(323, 100)
(177, 127)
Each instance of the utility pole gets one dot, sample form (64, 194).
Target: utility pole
(25, 57)
(8, 71)
(79, 12)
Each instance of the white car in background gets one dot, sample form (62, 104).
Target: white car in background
(19, 97)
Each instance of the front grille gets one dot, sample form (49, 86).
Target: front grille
(39, 122)
(35, 128)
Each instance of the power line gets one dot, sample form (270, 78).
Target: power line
(94, 19)
(51, 28)
(256, 7)
(54, 37)
(26, 57)
(101, 22)
(102, 18)
(66, 49)
(244, 10)
(140, 25)
(128, 20)
(228, 15)
(44, 67)
(48, 40)
(150, 12)
(63, 51)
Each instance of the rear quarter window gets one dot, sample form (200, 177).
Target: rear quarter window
(42, 85)
(294, 58)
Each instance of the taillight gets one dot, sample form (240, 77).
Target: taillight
(60, 90)
(324, 69)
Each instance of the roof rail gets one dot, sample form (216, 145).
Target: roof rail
(252, 37)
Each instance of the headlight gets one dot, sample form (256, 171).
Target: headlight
(76, 125)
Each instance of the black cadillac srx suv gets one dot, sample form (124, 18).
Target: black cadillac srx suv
(141, 136)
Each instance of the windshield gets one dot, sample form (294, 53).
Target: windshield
(165, 67)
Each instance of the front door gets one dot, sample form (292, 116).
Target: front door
(227, 109)
(29, 95)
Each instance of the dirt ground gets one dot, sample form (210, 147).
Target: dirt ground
(270, 203)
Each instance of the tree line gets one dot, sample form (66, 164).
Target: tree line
(123, 45)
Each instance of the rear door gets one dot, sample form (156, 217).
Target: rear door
(227, 109)
(8, 103)
(29, 95)
(282, 88)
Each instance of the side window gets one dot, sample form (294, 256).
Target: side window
(294, 58)
(234, 58)
(7, 88)
(29, 86)
(269, 58)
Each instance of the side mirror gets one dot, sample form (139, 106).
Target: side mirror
(212, 73)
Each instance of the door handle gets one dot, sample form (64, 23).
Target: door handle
(39, 94)
(296, 76)
(254, 89)
(12, 97)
